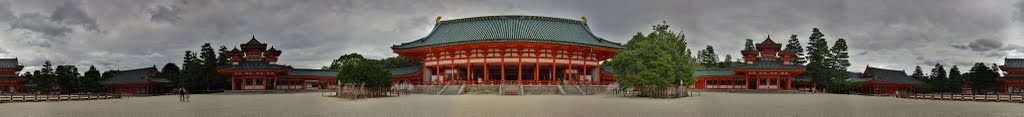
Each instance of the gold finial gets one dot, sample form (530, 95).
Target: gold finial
(584, 19)
(438, 20)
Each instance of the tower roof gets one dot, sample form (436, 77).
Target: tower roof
(253, 41)
(510, 28)
(1013, 62)
(768, 42)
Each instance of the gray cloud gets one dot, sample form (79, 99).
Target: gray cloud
(165, 13)
(36, 22)
(984, 45)
(72, 13)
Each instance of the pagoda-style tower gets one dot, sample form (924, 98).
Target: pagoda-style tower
(768, 50)
(254, 51)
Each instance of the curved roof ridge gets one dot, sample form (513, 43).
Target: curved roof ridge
(510, 27)
(508, 17)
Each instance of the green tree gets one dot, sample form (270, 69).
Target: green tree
(658, 60)
(918, 74)
(840, 55)
(44, 78)
(191, 72)
(956, 79)
(397, 62)
(171, 72)
(707, 57)
(68, 78)
(982, 79)
(364, 72)
(222, 56)
(209, 68)
(938, 72)
(794, 44)
(337, 63)
(819, 66)
(91, 80)
(726, 62)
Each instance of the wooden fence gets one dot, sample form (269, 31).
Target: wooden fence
(959, 97)
(54, 97)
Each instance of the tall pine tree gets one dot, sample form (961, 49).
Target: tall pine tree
(918, 74)
(707, 57)
(840, 55)
(819, 66)
(794, 44)
(210, 63)
(91, 80)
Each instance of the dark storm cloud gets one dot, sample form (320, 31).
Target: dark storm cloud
(38, 23)
(72, 13)
(985, 45)
(165, 13)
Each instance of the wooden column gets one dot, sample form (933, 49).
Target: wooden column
(519, 55)
(487, 75)
(233, 85)
(452, 56)
(469, 70)
(536, 66)
(503, 65)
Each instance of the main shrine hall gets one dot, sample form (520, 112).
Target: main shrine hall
(255, 68)
(763, 67)
(511, 49)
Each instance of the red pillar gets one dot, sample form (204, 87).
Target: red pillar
(469, 71)
(502, 66)
(520, 74)
(536, 66)
(233, 83)
(487, 75)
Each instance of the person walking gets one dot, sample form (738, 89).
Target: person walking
(183, 95)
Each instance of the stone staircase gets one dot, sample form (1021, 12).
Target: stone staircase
(511, 90)
(571, 90)
(452, 90)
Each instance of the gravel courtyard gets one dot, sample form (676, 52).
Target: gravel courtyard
(709, 104)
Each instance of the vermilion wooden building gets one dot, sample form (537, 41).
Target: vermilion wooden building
(529, 50)
(763, 67)
(137, 81)
(9, 79)
(255, 68)
(1013, 79)
(886, 81)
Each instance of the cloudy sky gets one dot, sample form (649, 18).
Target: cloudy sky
(127, 34)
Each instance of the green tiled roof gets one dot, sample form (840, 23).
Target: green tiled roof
(510, 28)
(134, 75)
(312, 72)
(9, 63)
(253, 65)
(888, 75)
(405, 70)
(761, 64)
(1014, 62)
(714, 72)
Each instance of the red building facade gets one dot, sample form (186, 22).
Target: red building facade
(255, 67)
(766, 66)
(886, 81)
(1013, 79)
(137, 81)
(529, 50)
(9, 79)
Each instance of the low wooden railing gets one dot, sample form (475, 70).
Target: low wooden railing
(54, 97)
(961, 97)
(510, 82)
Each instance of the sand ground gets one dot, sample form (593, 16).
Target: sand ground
(708, 104)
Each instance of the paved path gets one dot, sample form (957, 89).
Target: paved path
(710, 104)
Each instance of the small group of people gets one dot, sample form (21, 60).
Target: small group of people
(182, 94)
